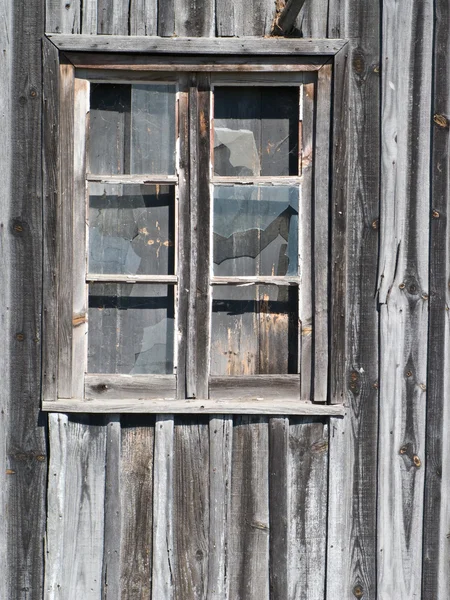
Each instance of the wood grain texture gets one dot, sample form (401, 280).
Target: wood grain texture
(25, 439)
(112, 17)
(435, 578)
(241, 18)
(248, 566)
(403, 294)
(352, 500)
(180, 18)
(89, 17)
(76, 496)
(136, 492)
(143, 17)
(122, 387)
(191, 507)
(62, 16)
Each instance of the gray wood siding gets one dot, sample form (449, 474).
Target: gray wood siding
(221, 507)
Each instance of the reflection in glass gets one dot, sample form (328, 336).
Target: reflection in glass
(131, 229)
(132, 129)
(254, 330)
(131, 328)
(255, 230)
(256, 131)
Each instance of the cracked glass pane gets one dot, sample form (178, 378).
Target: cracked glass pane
(254, 330)
(255, 230)
(131, 229)
(132, 129)
(256, 131)
(131, 328)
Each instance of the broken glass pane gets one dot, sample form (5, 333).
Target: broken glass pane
(131, 328)
(132, 129)
(131, 229)
(255, 230)
(256, 131)
(254, 330)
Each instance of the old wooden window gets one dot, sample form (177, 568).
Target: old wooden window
(193, 235)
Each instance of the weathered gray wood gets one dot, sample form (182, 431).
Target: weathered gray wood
(240, 18)
(351, 561)
(75, 498)
(163, 549)
(257, 279)
(132, 179)
(194, 19)
(50, 142)
(307, 462)
(25, 466)
(65, 231)
(89, 17)
(6, 112)
(112, 17)
(143, 17)
(62, 16)
(226, 405)
(130, 386)
(100, 277)
(403, 295)
(275, 387)
(285, 20)
(192, 45)
(136, 492)
(321, 208)
(248, 565)
(313, 18)
(436, 576)
(191, 508)
(111, 584)
(220, 461)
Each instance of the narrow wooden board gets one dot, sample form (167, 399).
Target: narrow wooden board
(436, 577)
(136, 492)
(192, 45)
(122, 387)
(76, 496)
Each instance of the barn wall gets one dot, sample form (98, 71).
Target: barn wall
(250, 507)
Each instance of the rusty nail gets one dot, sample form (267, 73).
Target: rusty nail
(375, 385)
(10, 472)
(440, 120)
(18, 228)
(357, 591)
(435, 214)
(20, 337)
(40, 457)
(425, 296)
(422, 386)
(402, 286)
(375, 224)
(403, 450)
(417, 461)
(408, 374)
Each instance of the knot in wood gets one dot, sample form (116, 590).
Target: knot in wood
(358, 591)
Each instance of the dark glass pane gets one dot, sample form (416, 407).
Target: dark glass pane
(131, 229)
(256, 131)
(255, 230)
(254, 330)
(132, 129)
(131, 328)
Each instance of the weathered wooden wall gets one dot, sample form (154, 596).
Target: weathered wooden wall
(222, 507)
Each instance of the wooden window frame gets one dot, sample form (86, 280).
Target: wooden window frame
(68, 62)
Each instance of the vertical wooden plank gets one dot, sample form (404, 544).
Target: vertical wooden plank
(241, 17)
(351, 545)
(321, 234)
(112, 17)
(50, 140)
(76, 496)
(220, 454)
(136, 493)
(163, 551)
(25, 439)
(6, 114)
(191, 19)
(403, 293)
(191, 508)
(306, 515)
(248, 566)
(62, 16)
(113, 511)
(143, 17)
(89, 17)
(436, 577)
(312, 20)
(65, 231)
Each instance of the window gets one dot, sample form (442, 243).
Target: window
(192, 227)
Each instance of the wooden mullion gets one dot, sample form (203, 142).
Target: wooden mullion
(65, 239)
(133, 179)
(119, 278)
(282, 181)
(255, 280)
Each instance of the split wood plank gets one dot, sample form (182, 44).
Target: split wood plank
(248, 565)
(191, 508)
(241, 17)
(192, 45)
(112, 17)
(143, 15)
(62, 16)
(50, 141)
(136, 492)
(76, 495)
(352, 516)
(220, 462)
(436, 552)
(163, 548)
(21, 238)
(403, 294)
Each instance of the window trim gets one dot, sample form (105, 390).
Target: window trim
(62, 388)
